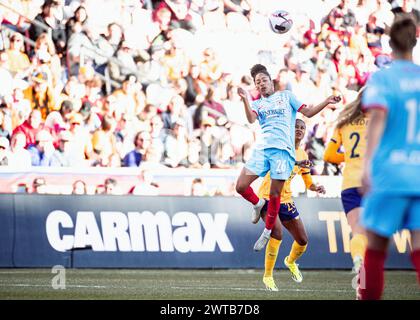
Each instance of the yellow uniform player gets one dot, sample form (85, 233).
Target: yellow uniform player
(288, 215)
(350, 134)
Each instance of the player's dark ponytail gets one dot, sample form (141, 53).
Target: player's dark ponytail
(259, 68)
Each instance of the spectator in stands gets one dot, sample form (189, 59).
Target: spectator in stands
(81, 49)
(407, 7)
(48, 60)
(141, 144)
(198, 189)
(176, 146)
(80, 148)
(30, 127)
(210, 67)
(104, 142)
(158, 135)
(349, 18)
(180, 15)
(39, 186)
(176, 62)
(146, 186)
(19, 157)
(100, 189)
(21, 188)
(127, 97)
(126, 64)
(80, 16)
(209, 142)
(6, 89)
(4, 132)
(374, 31)
(211, 106)
(48, 18)
(40, 94)
(176, 110)
(18, 61)
(79, 187)
(4, 151)
(60, 156)
(42, 151)
(111, 186)
(59, 120)
(196, 88)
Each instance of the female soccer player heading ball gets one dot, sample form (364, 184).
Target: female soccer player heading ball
(275, 152)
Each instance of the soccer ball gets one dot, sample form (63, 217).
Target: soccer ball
(280, 21)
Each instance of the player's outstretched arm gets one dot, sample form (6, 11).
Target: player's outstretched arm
(250, 115)
(318, 188)
(310, 111)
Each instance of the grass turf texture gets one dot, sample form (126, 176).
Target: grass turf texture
(194, 284)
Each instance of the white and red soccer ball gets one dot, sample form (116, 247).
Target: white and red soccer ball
(280, 21)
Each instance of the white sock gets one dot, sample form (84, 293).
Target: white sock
(259, 203)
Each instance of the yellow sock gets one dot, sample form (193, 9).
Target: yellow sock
(358, 245)
(271, 251)
(296, 252)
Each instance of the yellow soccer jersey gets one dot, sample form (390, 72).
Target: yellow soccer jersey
(286, 194)
(353, 138)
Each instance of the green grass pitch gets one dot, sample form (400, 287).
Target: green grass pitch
(193, 284)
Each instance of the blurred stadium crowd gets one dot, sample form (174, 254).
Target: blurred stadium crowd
(117, 83)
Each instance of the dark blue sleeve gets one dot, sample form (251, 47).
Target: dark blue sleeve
(35, 159)
(132, 159)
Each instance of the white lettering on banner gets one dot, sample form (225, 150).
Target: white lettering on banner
(54, 220)
(151, 223)
(330, 217)
(115, 226)
(86, 232)
(215, 232)
(188, 236)
(140, 231)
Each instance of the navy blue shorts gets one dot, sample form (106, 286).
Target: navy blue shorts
(287, 211)
(351, 199)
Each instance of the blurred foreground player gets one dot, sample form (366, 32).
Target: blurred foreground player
(391, 175)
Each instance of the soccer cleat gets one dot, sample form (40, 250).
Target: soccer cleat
(270, 285)
(294, 270)
(256, 214)
(262, 240)
(357, 264)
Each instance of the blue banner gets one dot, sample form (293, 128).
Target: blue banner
(165, 232)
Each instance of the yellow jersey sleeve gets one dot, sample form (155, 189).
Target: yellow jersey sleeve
(331, 153)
